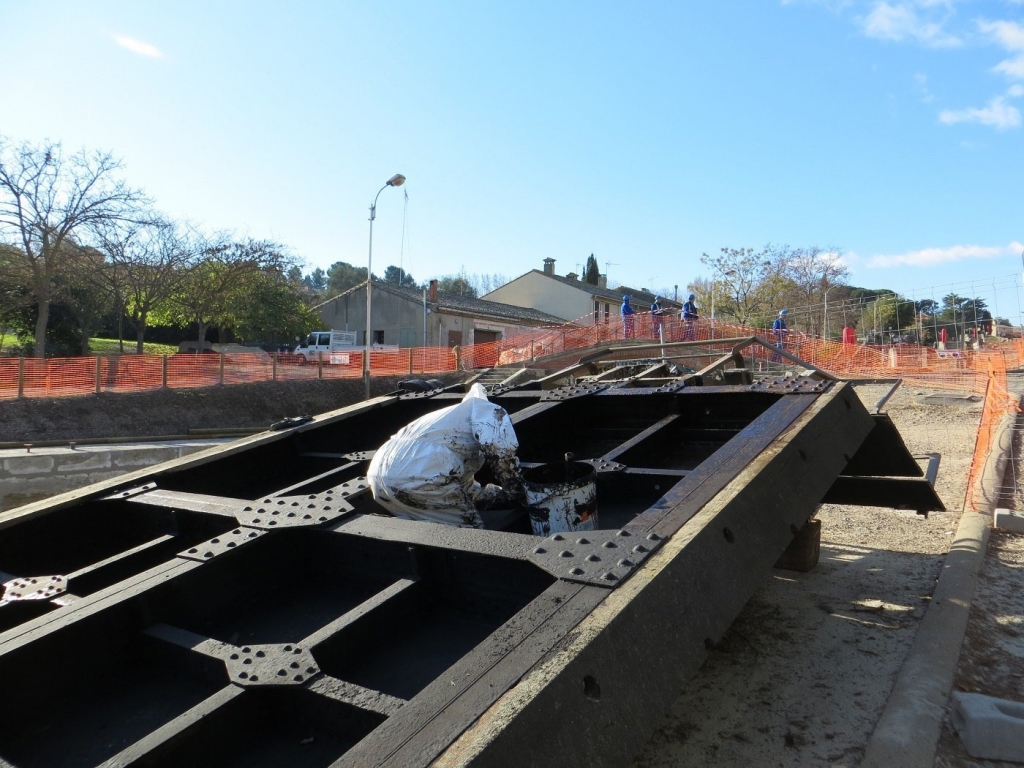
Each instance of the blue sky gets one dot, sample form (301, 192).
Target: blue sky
(645, 133)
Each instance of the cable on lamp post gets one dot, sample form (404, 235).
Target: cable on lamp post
(395, 181)
(825, 335)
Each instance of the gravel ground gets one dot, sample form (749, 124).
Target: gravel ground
(802, 676)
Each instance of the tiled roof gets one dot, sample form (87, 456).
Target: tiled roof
(593, 290)
(638, 295)
(465, 305)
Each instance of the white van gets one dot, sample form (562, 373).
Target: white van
(333, 344)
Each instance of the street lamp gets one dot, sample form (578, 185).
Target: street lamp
(395, 181)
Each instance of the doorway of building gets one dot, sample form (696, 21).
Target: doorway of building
(482, 337)
(454, 337)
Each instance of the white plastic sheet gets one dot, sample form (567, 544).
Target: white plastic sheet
(426, 471)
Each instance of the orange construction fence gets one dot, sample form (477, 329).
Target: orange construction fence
(56, 377)
(982, 370)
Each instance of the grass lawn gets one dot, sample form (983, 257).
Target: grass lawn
(111, 347)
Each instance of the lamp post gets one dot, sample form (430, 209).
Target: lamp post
(395, 181)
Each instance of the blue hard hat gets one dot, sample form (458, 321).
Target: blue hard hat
(784, 312)
(692, 296)
(657, 298)
(626, 297)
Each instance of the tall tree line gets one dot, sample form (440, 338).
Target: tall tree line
(76, 237)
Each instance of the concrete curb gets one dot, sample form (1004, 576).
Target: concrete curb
(907, 734)
(909, 729)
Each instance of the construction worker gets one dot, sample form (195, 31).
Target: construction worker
(779, 331)
(657, 318)
(690, 317)
(627, 312)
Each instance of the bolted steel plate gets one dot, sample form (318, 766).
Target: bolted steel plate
(218, 545)
(603, 558)
(34, 588)
(287, 664)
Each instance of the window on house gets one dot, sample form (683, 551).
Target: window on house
(607, 312)
(378, 337)
(597, 311)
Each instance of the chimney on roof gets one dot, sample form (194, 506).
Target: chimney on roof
(573, 276)
(602, 281)
(549, 266)
(433, 290)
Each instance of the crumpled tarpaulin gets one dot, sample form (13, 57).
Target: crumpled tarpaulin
(427, 470)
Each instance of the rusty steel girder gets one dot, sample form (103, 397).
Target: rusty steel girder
(253, 605)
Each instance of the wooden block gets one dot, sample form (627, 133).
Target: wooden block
(803, 552)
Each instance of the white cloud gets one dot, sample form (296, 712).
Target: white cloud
(929, 257)
(139, 47)
(900, 21)
(922, 83)
(1012, 68)
(1008, 34)
(1015, 91)
(998, 114)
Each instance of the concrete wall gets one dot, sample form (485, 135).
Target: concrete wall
(392, 314)
(537, 291)
(27, 477)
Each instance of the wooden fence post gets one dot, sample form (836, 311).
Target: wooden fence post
(273, 366)
(319, 365)
(99, 372)
(410, 361)
(221, 376)
(21, 377)
(163, 373)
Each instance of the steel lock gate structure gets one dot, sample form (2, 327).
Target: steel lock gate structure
(251, 605)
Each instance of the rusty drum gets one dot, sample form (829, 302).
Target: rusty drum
(561, 497)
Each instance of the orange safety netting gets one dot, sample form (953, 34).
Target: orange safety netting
(982, 371)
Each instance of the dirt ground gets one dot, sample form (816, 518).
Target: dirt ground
(802, 676)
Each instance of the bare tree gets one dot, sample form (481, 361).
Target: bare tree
(48, 200)
(82, 296)
(813, 271)
(145, 265)
(741, 273)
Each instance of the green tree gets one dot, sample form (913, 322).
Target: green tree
(742, 274)
(86, 299)
(316, 280)
(592, 274)
(457, 284)
(15, 296)
(145, 263)
(396, 276)
(888, 312)
(219, 282)
(274, 309)
(48, 201)
(341, 276)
